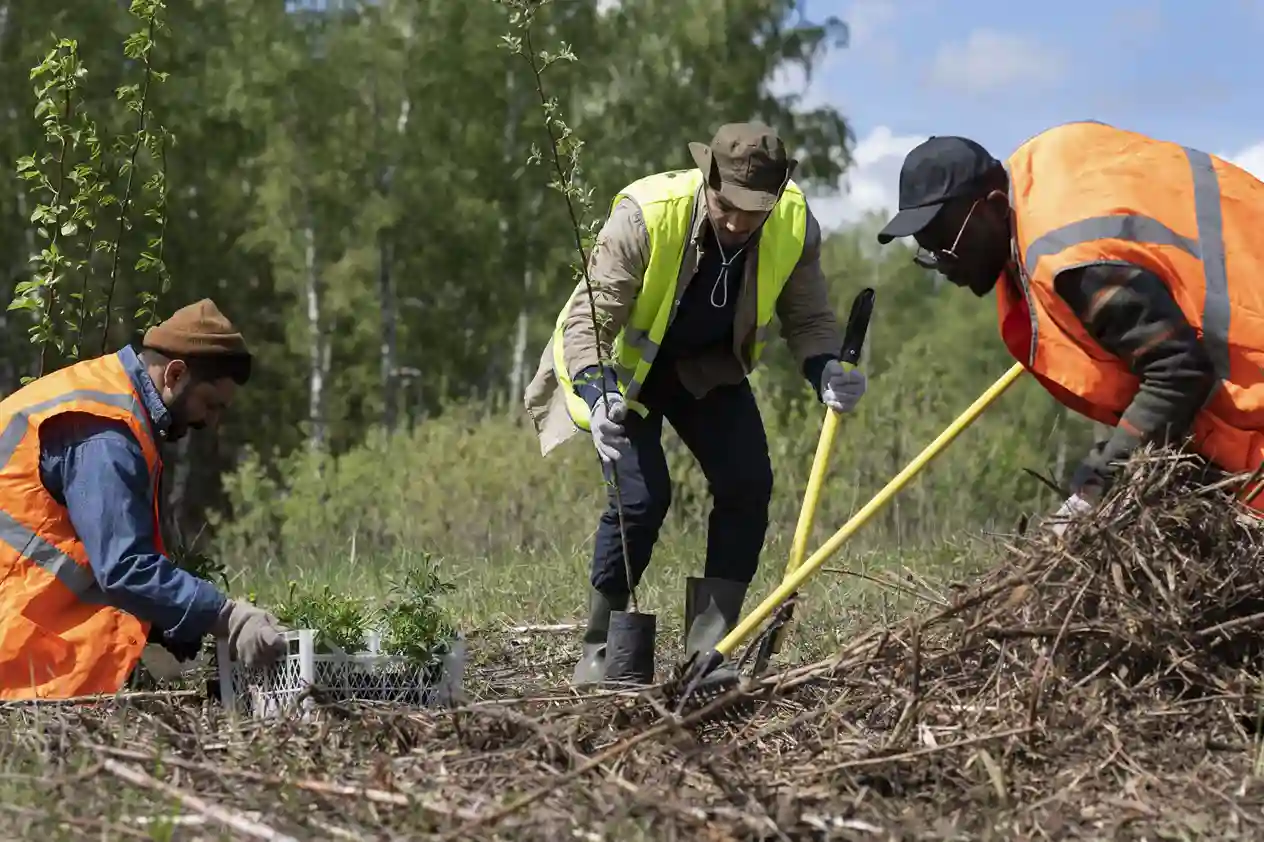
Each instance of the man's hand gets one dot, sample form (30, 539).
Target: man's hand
(181, 650)
(1072, 508)
(607, 427)
(841, 389)
(254, 635)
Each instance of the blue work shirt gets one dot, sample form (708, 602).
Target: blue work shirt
(95, 468)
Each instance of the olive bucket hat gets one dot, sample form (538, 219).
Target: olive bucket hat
(746, 163)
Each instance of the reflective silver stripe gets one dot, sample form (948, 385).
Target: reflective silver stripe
(634, 336)
(76, 577)
(625, 375)
(15, 430)
(762, 332)
(640, 339)
(1207, 210)
(1135, 228)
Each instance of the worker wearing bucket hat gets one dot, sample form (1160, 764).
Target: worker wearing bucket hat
(1126, 271)
(688, 271)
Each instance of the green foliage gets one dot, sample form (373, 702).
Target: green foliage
(339, 619)
(200, 564)
(514, 529)
(375, 254)
(76, 183)
(381, 262)
(563, 152)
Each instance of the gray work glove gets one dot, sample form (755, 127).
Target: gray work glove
(1072, 508)
(607, 429)
(254, 635)
(841, 389)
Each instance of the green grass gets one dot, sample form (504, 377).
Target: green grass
(512, 530)
(492, 593)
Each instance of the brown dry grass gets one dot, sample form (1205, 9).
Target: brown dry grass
(1105, 686)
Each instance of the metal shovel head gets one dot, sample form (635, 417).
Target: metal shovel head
(630, 647)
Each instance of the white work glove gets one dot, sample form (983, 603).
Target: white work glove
(1071, 508)
(254, 635)
(607, 429)
(841, 389)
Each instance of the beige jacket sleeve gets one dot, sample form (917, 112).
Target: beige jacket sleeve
(808, 323)
(616, 267)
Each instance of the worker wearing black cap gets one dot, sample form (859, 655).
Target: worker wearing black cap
(1126, 274)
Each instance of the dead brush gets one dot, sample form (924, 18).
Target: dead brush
(1103, 685)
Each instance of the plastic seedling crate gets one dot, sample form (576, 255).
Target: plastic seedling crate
(337, 677)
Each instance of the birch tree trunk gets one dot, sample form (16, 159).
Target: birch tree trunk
(318, 352)
(386, 295)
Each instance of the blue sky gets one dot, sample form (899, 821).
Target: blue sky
(1000, 72)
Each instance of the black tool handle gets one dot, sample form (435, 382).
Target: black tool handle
(857, 327)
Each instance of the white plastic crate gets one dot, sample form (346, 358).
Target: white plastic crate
(340, 677)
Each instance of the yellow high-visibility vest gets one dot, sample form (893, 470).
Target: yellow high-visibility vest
(667, 201)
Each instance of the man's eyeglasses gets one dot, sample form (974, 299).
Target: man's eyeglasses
(937, 258)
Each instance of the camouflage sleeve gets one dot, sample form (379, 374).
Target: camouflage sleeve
(1131, 314)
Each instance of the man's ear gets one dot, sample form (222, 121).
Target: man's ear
(999, 199)
(173, 373)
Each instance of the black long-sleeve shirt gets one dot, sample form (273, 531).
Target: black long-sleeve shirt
(1131, 314)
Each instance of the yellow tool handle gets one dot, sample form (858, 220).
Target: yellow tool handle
(812, 495)
(803, 572)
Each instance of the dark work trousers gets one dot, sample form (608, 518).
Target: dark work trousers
(725, 433)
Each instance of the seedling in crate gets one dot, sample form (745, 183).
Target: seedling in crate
(341, 622)
(413, 622)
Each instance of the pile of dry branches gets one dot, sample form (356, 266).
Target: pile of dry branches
(1102, 685)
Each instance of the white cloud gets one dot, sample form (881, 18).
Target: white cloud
(1250, 159)
(873, 181)
(990, 61)
(871, 184)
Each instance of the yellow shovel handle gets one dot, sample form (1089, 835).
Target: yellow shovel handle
(816, 479)
(807, 514)
(803, 572)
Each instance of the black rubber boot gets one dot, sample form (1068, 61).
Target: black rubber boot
(630, 648)
(591, 668)
(712, 610)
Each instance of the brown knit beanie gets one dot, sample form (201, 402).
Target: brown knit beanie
(197, 330)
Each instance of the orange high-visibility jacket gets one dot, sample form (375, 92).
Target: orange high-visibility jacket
(1088, 193)
(58, 638)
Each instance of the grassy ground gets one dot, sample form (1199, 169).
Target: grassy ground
(853, 590)
(511, 532)
(1101, 688)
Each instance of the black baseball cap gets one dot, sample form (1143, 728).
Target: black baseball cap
(934, 172)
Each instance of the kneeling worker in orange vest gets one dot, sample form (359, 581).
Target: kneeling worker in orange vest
(1129, 275)
(84, 581)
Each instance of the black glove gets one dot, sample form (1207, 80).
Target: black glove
(182, 650)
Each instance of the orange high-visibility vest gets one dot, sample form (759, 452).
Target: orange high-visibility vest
(1087, 193)
(58, 638)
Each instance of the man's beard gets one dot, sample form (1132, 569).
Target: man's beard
(179, 426)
